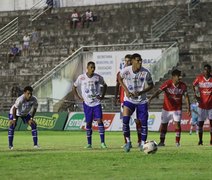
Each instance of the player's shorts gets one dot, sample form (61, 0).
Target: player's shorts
(194, 120)
(133, 116)
(166, 116)
(204, 114)
(92, 113)
(141, 110)
(25, 119)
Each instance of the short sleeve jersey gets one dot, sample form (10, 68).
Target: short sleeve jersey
(205, 89)
(173, 95)
(135, 82)
(23, 106)
(90, 88)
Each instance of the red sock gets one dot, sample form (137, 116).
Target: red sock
(178, 133)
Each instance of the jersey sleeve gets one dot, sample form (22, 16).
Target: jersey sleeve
(149, 78)
(77, 82)
(101, 80)
(163, 86)
(18, 103)
(196, 81)
(35, 103)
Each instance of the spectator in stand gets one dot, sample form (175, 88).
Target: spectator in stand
(74, 19)
(26, 40)
(49, 7)
(14, 52)
(88, 17)
(35, 36)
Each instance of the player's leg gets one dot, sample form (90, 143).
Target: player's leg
(202, 117)
(127, 111)
(121, 117)
(98, 118)
(165, 117)
(191, 127)
(177, 115)
(11, 129)
(142, 115)
(138, 127)
(210, 119)
(88, 111)
(33, 126)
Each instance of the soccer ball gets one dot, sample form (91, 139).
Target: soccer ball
(150, 147)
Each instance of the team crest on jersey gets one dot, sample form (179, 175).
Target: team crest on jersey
(82, 78)
(86, 90)
(130, 87)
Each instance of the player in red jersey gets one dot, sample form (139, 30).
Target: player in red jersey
(174, 89)
(204, 84)
(120, 99)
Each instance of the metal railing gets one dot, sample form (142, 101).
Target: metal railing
(38, 9)
(9, 30)
(192, 5)
(164, 24)
(168, 60)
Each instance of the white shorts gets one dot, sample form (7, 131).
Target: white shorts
(166, 116)
(204, 114)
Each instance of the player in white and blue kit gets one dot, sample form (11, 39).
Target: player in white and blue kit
(89, 84)
(25, 107)
(194, 117)
(133, 79)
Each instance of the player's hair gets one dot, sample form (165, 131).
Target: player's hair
(129, 56)
(176, 72)
(207, 66)
(90, 63)
(28, 88)
(136, 56)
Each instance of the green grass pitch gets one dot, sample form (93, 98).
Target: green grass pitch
(62, 156)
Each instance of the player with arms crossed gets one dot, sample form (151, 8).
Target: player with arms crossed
(120, 91)
(133, 79)
(89, 84)
(174, 89)
(204, 84)
(25, 107)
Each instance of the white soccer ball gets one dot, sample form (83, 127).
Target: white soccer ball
(150, 147)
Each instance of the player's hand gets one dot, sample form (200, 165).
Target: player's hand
(197, 98)
(116, 101)
(13, 122)
(100, 97)
(129, 94)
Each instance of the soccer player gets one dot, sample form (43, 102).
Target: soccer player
(174, 89)
(204, 84)
(89, 84)
(25, 107)
(194, 117)
(120, 91)
(133, 79)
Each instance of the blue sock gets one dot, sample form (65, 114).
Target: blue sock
(34, 134)
(144, 130)
(11, 134)
(89, 133)
(126, 127)
(101, 132)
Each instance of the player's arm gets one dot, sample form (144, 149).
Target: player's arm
(150, 86)
(155, 95)
(187, 103)
(77, 93)
(120, 79)
(117, 91)
(195, 91)
(104, 89)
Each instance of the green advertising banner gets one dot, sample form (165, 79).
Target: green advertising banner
(4, 122)
(75, 121)
(48, 121)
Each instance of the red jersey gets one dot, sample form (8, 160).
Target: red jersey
(173, 95)
(205, 89)
(121, 91)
